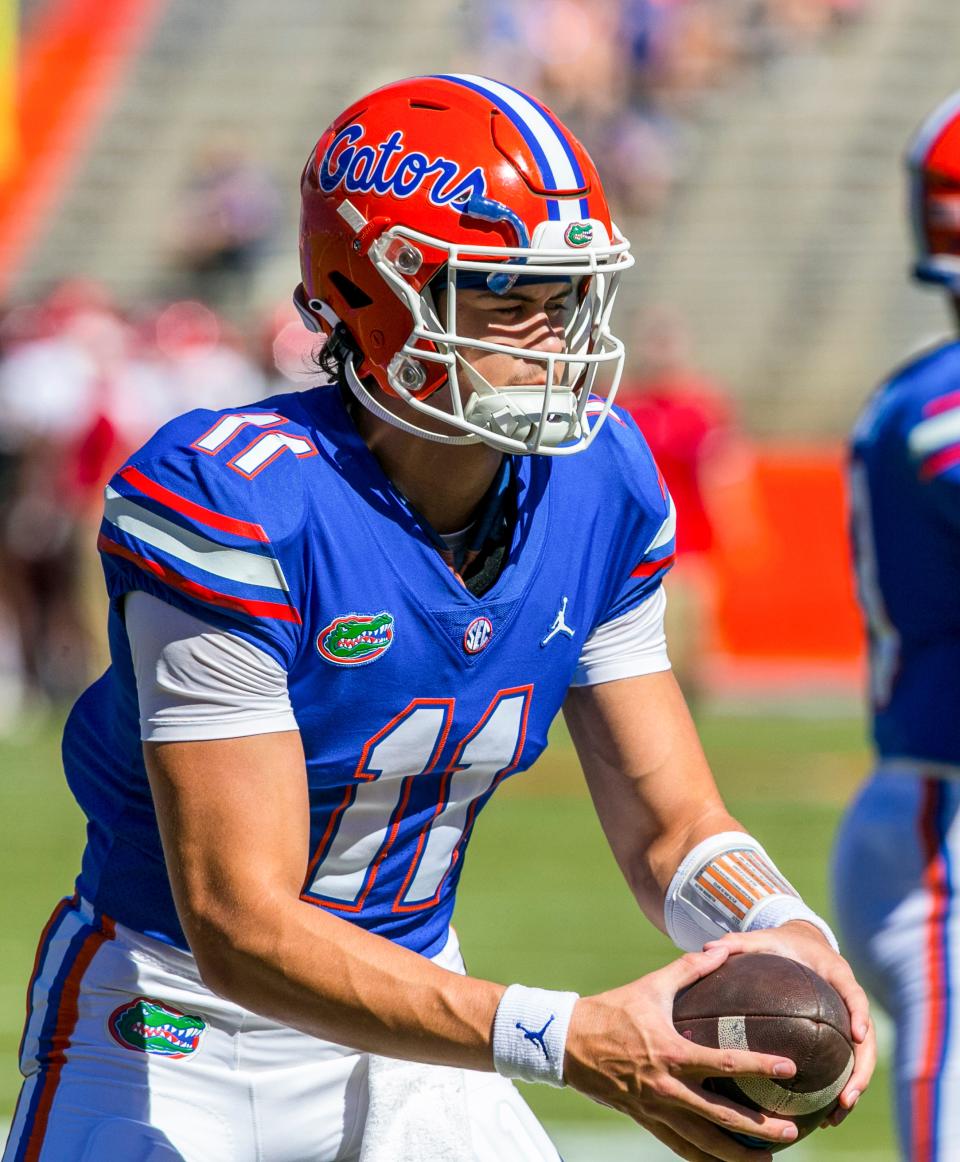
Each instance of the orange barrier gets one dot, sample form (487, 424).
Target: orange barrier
(783, 591)
(70, 63)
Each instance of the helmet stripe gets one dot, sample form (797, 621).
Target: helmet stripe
(548, 143)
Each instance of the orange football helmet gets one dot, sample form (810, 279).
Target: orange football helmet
(448, 182)
(933, 163)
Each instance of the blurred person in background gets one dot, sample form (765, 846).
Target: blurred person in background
(897, 859)
(687, 419)
(71, 402)
(200, 357)
(226, 223)
(81, 387)
(339, 619)
(634, 76)
(286, 352)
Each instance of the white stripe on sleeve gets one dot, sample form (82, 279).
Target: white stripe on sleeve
(935, 433)
(190, 547)
(626, 647)
(197, 682)
(666, 532)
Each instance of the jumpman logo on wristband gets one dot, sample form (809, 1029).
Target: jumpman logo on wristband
(537, 1037)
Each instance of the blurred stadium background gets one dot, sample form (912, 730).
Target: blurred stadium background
(149, 156)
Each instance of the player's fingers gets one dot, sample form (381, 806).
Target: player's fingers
(712, 1141)
(727, 1114)
(733, 942)
(854, 997)
(864, 1061)
(692, 966)
(699, 1062)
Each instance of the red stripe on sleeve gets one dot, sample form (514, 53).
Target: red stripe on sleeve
(940, 462)
(214, 520)
(648, 568)
(943, 403)
(200, 592)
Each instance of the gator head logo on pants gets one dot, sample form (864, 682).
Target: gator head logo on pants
(151, 1027)
(356, 638)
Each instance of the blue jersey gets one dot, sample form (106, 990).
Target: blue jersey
(905, 491)
(414, 697)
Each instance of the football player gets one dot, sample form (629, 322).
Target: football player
(898, 846)
(340, 618)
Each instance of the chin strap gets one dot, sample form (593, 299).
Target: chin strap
(515, 412)
(356, 385)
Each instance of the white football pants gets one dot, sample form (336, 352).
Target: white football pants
(896, 880)
(127, 1057)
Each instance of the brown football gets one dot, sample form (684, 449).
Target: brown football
(770, 1004)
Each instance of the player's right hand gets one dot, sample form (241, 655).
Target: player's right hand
(623, 1051)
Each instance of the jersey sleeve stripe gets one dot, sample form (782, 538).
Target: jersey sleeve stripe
(188, 547)
(940, 462)
(934, 434)
(188, 508)
(666, 532)
(596, 406)
(942, 403)
(200, 592)
(649, 568)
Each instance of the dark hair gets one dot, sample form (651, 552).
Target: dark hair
(332, 356)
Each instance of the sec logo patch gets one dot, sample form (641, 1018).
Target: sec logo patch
(477, 635)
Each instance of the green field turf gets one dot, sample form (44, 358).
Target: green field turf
(541, 900)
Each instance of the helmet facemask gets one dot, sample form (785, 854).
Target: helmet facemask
(553, 418)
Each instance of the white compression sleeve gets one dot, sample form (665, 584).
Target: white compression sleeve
(197, 682)
(728, 883)
(626, 646)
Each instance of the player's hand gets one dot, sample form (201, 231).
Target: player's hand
(623, 1051)
(803, 942)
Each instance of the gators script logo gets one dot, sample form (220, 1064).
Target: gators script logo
(151, 1027)
(356, 638)
(390, 168)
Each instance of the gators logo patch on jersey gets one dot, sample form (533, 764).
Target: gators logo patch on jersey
(151, 1027)
(356, 638)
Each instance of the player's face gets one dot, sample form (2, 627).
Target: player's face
(529, 316)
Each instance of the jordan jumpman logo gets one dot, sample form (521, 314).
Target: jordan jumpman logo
(559, 624)
(537, 1037)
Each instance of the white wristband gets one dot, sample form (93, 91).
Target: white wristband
(530, 1033)
(783, 909)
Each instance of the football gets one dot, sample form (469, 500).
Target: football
(770, 1004)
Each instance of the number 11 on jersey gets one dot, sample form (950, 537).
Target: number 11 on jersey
(371, 819)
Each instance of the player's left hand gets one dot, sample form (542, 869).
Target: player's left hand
(801, 941)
